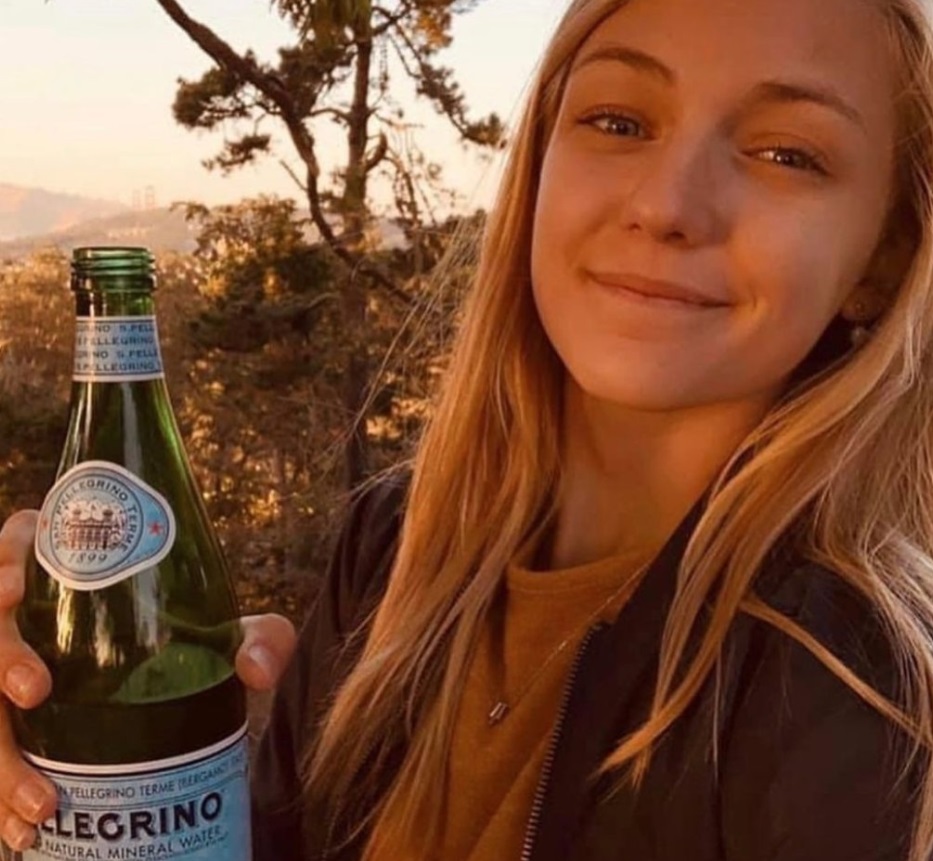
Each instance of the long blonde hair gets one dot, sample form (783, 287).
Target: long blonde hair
(848, 453)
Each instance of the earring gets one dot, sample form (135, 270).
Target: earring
(859, 336)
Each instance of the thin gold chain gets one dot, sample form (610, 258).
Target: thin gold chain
(504, 706)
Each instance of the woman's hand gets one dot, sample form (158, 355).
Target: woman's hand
(26, 797)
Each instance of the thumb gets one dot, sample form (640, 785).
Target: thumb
(267, 647)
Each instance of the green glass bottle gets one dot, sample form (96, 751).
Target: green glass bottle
(129, 603)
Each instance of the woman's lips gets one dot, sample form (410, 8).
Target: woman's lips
(652, 290)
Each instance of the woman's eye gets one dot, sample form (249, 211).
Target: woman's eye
(615, 124)
(796, 159)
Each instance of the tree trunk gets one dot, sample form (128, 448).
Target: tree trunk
(356, 385)
(356, 451)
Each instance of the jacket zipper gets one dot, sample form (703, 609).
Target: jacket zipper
(534, 818)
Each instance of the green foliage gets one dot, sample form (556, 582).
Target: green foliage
(210, 101)
(264, 279)
(309, 69)
(323, 16)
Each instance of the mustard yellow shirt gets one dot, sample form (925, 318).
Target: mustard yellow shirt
(493, 771)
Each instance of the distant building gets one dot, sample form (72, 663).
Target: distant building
(144, 199)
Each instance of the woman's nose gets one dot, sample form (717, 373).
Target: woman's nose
(678, 195)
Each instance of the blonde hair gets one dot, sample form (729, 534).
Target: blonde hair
(847, 453)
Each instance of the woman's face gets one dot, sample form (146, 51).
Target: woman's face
(734, 155)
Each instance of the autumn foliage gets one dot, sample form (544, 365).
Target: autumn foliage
(254, 350)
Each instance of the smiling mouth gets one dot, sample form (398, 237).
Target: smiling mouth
(653, 291)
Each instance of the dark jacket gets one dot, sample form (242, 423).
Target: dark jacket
(807, 771)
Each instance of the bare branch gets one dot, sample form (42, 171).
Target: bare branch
(425, 73)
(222, 54)
(338, 114)
(404, 60)
(270, 86)
(390, 19)
(295, 178)
(378, 154)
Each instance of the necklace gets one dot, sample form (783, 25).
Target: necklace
(503, 707)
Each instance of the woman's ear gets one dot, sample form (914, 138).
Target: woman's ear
(877, 290)
(865, 303)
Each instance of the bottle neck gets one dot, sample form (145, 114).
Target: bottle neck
(120, 407)
(116, 338)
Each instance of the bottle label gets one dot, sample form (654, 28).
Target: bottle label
(101, 524)
(117, 350)
(194, 807)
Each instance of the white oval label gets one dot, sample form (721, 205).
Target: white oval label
(101, 524)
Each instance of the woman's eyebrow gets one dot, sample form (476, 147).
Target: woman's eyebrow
(788, 92)
(630, 57)
(768, 92)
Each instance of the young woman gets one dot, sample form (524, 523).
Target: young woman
(659, 585)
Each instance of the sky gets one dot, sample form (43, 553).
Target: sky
(85, 104)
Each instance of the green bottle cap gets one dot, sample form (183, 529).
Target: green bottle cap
(113, 269)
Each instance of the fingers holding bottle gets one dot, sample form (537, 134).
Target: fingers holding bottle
(267, 647)
(26, 797)
(16, 537)
(24, 679)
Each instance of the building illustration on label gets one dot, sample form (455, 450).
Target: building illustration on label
(88, 525)
(101, 524)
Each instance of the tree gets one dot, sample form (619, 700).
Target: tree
(36, 364)
(346, 57)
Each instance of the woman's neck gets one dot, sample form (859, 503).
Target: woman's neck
(631, 476)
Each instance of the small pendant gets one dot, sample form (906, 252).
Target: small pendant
(498, 713)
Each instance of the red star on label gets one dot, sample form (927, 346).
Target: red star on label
(155, 529)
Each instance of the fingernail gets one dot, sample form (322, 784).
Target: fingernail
(18, 834)
(264, 659)
(29, 799)
(20, 681)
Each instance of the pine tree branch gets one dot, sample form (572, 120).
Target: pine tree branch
(271, 88)
(222, 54)
(390, 19)
(424, 73)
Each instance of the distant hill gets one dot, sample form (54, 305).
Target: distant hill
(157, 229)
(28, 212)
(32, 219)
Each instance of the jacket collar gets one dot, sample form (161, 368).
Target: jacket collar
(611, 693)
